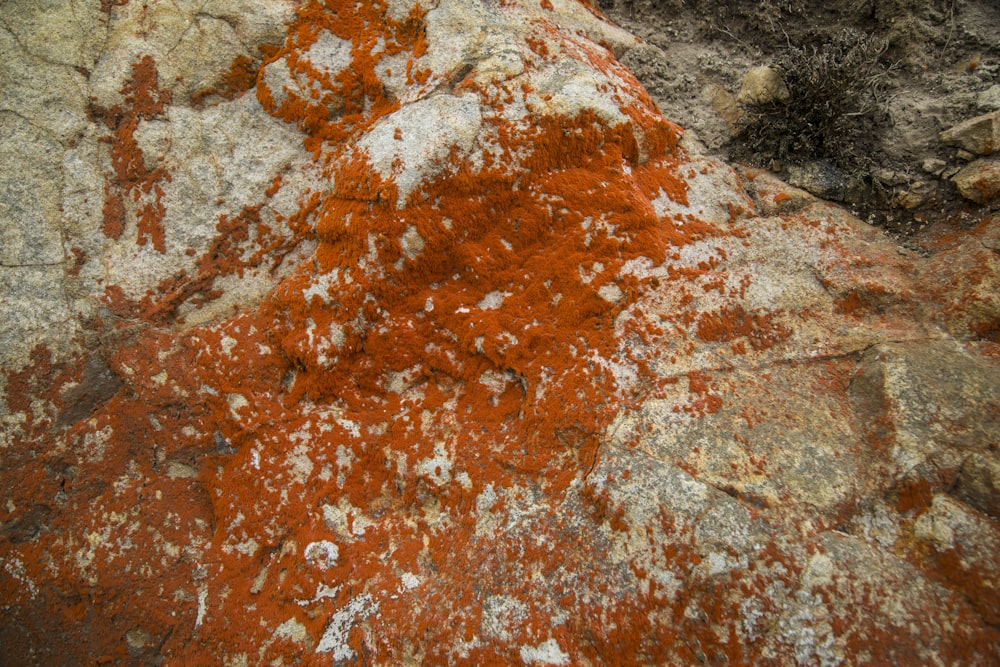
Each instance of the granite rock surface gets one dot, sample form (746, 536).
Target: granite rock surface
(403, 333)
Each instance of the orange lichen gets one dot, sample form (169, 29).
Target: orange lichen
(354, 98)
(729, 323)
(914, 496)
(428, 392)
(241, 77)
(704, 402)
(144, 99)
(114, 213)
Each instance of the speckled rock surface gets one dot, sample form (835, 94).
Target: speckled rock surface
(338, 333)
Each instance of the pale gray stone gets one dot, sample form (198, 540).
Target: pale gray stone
(979, 135)
(60, 32)
(33, 312)
(30, 189)
(50, 96)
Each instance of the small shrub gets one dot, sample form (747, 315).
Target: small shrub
(835, 110)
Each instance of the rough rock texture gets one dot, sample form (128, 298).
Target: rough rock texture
(979, 135)
(979, 181)
(353, 333)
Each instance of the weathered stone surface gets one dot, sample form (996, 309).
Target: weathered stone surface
(934, 410)
(960, 547)
(59, 32)
(979, 135)
(989, 99)
(962, 282)
(193, 44)
(30, 188)
(50, 96)
(34, 311)
(979, 181)
(825, 180)
(422, 338)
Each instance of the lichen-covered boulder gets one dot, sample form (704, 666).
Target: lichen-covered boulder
(393, 333)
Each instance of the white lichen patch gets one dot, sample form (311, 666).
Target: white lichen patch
(345, 520)
(437, 468)
(408, 581)
(298, 463)
(546, 653)
(493, 300)
(337, 630)
(292, 630)
(611, 293)
(236, 403)
(502, 616)
(323, 554)
(15, 569)
(494, 381)
(202, 606)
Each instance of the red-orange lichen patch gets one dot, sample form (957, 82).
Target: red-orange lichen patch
(241, 77)
(378, 457)
(354, 98)
(416, 381)
(730, 323)
(144, 99)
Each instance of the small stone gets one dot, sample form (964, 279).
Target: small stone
(823, 180)
(979, 181)
(891, 177)
(763, 85)
(979, 135)
(989, 99)
(137, 638)
(933, 166)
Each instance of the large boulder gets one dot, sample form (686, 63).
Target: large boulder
(387, 333)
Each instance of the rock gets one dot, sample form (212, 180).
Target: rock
(30, 183)
(933, 166)
(989, 99)
(823, 180)
(763, 85)
(56, 32)
(979, 482)
(423, 338)
(194, 46)
(852, 597)
(771, 195)
(725, 105)
(979, 181)
(962, 284)
(979, 135)
(33, 312)
(963, 544)
(931, 409)
(918, 192)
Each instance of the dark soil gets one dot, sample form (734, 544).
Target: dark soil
(872, 116)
